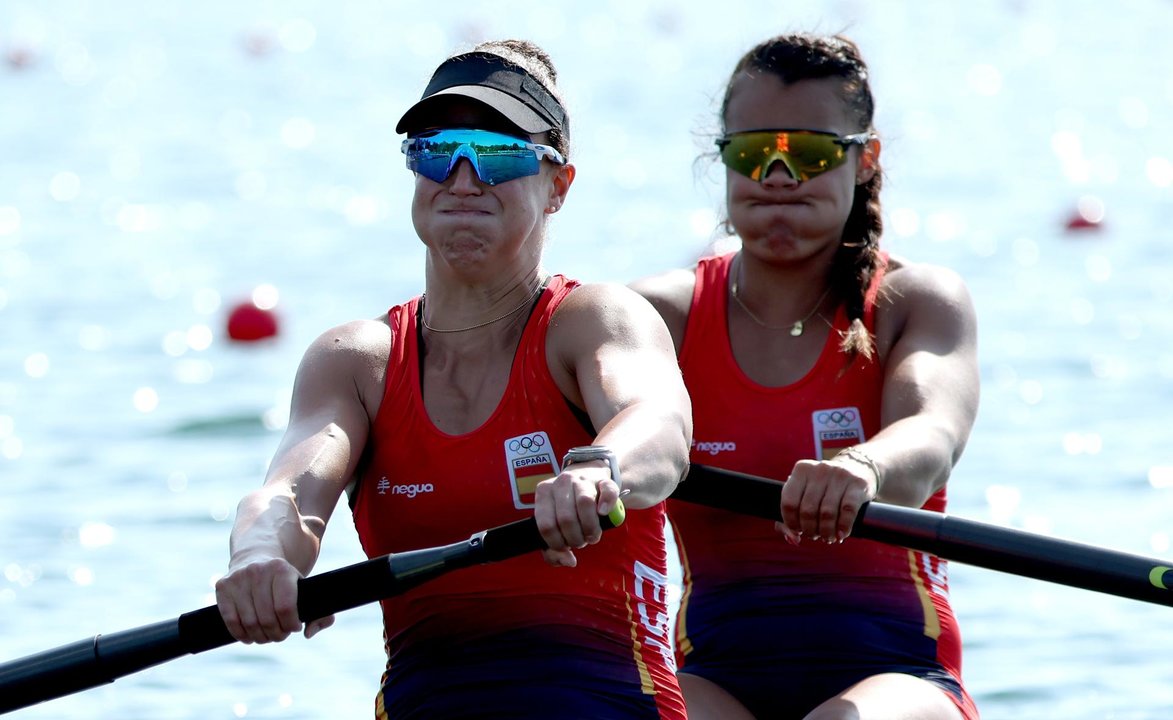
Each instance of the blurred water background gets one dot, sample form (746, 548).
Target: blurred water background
(161, 161)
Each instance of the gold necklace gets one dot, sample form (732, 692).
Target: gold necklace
(796, 327)
(541, 286)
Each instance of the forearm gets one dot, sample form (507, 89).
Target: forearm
(270, 525)
(915, 457)
(651, 444)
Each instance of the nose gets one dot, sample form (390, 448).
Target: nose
(778, 174)
(464, 177)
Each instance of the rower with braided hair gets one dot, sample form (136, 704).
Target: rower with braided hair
(812, 356)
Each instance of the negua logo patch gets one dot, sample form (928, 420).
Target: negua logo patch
(714, 448)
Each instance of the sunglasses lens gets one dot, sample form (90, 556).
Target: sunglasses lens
(502, 162)
(433, 166)
(805, 154)
(815, 154)
(495, 157)
(746, 153)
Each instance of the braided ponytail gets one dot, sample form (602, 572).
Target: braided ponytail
(856, 262)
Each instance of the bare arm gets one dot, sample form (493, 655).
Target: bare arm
(611, 354)
(927, 338)
(279, 527)
(931, 385)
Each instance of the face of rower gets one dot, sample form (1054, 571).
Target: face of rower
(780, 217)
(471, 226)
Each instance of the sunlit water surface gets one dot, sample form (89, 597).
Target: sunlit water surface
(158, 163)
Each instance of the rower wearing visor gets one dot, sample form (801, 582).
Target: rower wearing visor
(502, 392)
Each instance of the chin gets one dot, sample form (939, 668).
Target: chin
(780, 245)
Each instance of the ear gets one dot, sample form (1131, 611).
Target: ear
(869, 161)
(559, 187)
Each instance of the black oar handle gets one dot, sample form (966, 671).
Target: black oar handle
(732, 491)
(965, 541)
(105, 658)
(331, 592)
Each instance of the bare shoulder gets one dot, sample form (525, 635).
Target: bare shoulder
(911, 283)
(352, 356)
(671, 294)
(610, 308)
(355, 341)
(924, 301)
(604, 325)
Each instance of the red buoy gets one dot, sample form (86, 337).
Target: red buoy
(18, 57)
(1089, 213)
(251, 320)
(259, 42)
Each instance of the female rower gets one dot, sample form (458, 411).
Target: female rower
(813, 357)
(457, 411)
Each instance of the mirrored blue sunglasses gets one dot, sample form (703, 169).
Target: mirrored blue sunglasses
(495, 157)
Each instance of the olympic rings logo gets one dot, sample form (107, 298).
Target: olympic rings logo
(840, 418)
(528, 444)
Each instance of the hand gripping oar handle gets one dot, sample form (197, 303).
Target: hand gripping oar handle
(105, 658)
(966, 541)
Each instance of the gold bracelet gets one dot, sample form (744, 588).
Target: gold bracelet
(856, 453)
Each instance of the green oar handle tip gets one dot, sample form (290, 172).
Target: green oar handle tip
(617, 515)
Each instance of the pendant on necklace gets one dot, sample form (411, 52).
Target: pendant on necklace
(796, 329)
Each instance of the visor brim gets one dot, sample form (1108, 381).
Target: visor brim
(416, 118)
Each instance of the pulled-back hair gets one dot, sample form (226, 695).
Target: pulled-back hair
(535, 61)
(803, 56)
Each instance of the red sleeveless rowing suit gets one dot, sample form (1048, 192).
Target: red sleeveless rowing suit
(517, 638)
(783, 627)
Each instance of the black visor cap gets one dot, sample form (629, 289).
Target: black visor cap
(490, 79)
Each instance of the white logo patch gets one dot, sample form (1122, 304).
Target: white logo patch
(836, 429)
(530, 460)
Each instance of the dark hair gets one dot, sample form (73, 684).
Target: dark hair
(803, 56)
(537, 63)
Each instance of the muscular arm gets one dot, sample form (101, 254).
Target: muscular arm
(611, 354)
(279, 527)
(927, 338)
(931, 384)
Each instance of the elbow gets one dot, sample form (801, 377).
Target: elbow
(912, 479)
(683, 439)
(675, 465)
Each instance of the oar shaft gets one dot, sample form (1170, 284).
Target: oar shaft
(105, 658)
(87, 663)
(1017, 552)
(965, 541)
